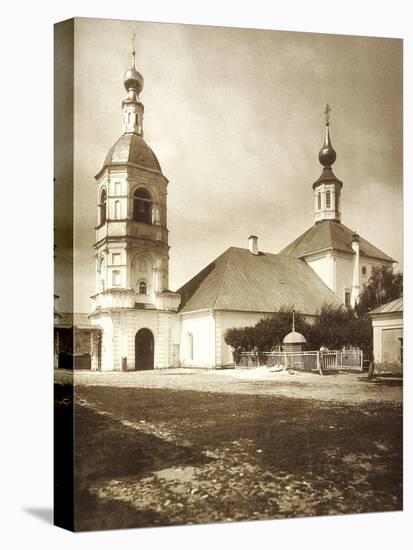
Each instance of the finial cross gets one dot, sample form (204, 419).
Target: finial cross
(327, 113)
(133, 48)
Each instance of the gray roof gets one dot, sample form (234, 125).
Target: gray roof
(391, 307)
(133, 149)
(331, 235)
(294, 338)
(241, 281)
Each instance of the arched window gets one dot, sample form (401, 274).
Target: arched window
(117, 210)
(319, 200)
(102, 207)
(364, 270)
(116, 279)
(142, 287)
(142, 206)
(328, 199)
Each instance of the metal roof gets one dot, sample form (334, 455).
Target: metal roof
(131, 148)
(294, 338)
(330, 235)
(241, 281)
(391, 307)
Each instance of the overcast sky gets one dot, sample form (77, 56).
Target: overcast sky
(235, 117)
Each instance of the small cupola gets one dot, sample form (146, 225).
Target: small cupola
(327, 188)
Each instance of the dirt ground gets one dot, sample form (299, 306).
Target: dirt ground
(186, 447)
(346, 387)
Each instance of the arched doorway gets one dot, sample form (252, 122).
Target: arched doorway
(144, 349)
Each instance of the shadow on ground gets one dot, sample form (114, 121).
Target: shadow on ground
(107, 450)
(44, 514)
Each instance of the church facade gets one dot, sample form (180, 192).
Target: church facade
(143, 324)
(133, 307)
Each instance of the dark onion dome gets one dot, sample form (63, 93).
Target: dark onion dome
(327, 155)
(133, 80)
(132, 149)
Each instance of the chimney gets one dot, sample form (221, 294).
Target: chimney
(355, 288)
(253, 244)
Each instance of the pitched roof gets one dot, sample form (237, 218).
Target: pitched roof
(330, 235)
(391, 307)
(241, 281)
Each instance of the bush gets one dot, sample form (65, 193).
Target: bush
(335, 327)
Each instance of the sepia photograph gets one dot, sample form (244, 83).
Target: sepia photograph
(228, 274)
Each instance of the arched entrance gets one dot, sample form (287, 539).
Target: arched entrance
(144, 349)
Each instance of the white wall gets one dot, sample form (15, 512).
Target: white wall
(118, 336)
(324, 267)
(202, 327)
(336, 270)
(381, 324)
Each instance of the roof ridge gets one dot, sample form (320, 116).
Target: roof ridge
(371, 244)
(297, 241)
(222, 276)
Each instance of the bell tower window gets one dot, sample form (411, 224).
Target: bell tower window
(142, 206)
(142, 287)
(328, 199)
(319, 201)
(102, 207)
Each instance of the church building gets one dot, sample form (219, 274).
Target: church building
(133, 306)
(339, 256)
(143, 324)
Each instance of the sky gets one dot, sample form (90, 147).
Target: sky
(235, 117)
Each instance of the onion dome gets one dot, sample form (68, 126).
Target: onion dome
(294, 338)
(327, 155)
(133, 80)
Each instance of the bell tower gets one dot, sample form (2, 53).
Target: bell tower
(327, 189)
(131, 245)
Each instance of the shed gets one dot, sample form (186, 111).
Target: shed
(294, 341)
(388, 337)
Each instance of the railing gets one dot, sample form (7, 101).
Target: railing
(310, 361)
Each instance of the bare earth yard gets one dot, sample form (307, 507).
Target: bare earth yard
(186, 446)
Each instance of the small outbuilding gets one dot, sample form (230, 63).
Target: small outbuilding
(388, 337)
(294, 341)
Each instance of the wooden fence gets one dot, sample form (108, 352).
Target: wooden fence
(310, 361)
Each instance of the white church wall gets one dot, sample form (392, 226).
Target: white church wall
(119, 331)
(197, 346)
(324, 266)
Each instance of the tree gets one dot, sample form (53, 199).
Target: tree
(335, 327)
(267, 333)
(384, 285)
(271, 330)
(338, 326)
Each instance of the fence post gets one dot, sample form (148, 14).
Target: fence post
(319, 365)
